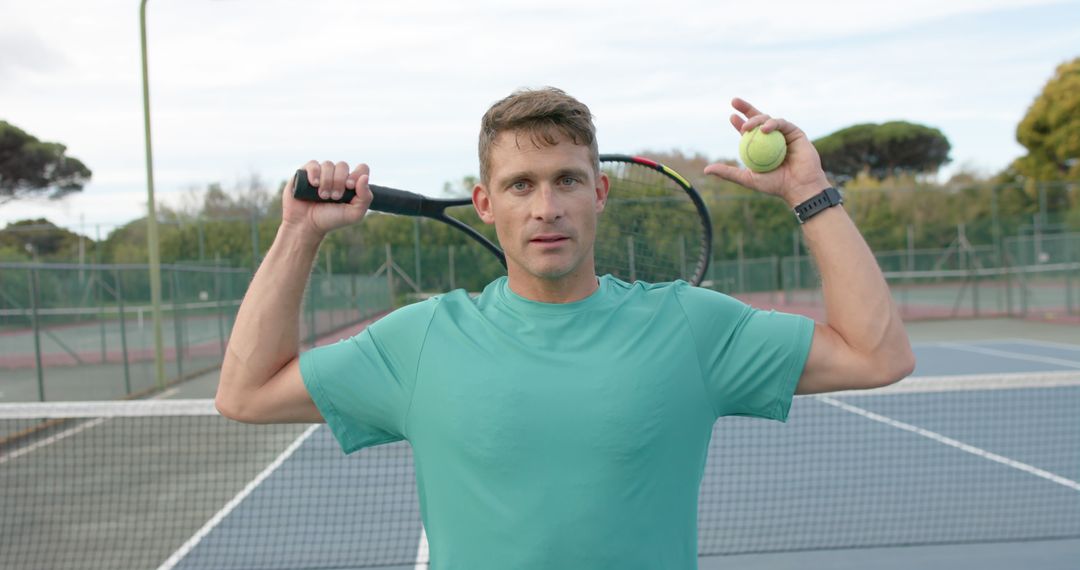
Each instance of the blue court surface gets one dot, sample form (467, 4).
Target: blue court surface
(974, 461)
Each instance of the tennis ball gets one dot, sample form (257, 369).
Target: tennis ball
(762, 152)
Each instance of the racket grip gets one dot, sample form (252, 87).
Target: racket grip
(383, 199)
(303, 190)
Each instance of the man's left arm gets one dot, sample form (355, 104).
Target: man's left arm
(863, 343)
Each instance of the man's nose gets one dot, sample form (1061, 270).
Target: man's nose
(547, 203)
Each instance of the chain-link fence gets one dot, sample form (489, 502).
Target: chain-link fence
(77, 332)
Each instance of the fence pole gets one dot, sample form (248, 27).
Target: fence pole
(390, 274)
(682, 259)
(100, 289)
(202, 240)
(630, 253)
(1037, 242)
(416, 251)
(450, 252)
(996, 229)
(797, 261)
(174, 291)
(123, 329)
(311, 310)
(220, 305)
(910, 248)
(254, 242)
(329, 280)
(37, 333)
(742, 264)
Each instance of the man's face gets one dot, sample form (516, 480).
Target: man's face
(544, 203)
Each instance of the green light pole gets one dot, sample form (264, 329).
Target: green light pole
(151, 217)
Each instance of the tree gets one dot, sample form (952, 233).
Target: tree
(889, 149)
(40, 238)
(30, 166)
(1050, 130)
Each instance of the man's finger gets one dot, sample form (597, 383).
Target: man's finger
(363, 194)
(754, 122)
(326, 179)
(730, 173)
(360, 177)
(312, 168)
(770, 125)
(341, 173)
(360, 170)
(745, 108)
(788, 128)
(737, 122)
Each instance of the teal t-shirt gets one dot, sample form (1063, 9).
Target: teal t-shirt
(559, 435)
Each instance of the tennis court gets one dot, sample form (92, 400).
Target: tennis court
(979, 446)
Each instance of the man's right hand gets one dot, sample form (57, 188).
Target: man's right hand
(316, 219)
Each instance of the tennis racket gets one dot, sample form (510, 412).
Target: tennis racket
(655, 227)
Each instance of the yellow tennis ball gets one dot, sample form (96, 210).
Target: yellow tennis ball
(762, 152)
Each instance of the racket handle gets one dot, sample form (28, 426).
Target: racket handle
(383, 199)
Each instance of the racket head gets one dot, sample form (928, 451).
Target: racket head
(655, 227)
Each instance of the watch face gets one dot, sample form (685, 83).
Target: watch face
(834, 196)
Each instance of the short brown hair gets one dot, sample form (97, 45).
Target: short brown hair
(542, 114)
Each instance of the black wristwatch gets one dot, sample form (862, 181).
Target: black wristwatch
(828, 198)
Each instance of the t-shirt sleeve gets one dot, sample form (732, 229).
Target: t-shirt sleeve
(363, 385)
(751, 359)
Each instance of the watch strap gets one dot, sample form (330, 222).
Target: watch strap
(820, 202)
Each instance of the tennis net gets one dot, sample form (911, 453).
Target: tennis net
(170, 484)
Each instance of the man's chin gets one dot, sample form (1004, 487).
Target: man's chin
(551, 269)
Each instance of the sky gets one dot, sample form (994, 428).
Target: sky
(242, 87)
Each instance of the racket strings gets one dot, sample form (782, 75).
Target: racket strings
(650, 229)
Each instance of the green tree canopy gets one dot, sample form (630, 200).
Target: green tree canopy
(38, 237)
(889, 149)
(1050, 130)
(30, 166)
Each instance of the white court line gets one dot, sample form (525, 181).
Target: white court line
(1075, 486)
(422, 554)
(968, 382)
(232, 504)
(69, 432)
(1046, 343)
(1014, 355)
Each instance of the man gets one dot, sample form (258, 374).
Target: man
(559, 420)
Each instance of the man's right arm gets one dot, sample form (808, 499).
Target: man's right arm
(260, 374)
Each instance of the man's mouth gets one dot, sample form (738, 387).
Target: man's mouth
(548, 238)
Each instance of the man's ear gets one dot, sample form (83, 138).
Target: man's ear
(603, 186)
(482, 202)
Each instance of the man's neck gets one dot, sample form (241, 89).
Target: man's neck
(568, 289)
